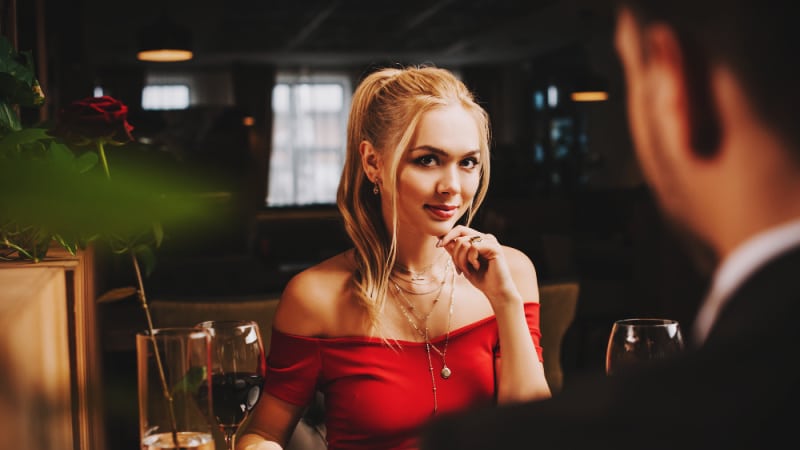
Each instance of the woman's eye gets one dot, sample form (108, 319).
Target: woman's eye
(427, 160)
(469, 163)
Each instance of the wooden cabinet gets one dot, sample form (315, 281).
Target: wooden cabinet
(50, 377)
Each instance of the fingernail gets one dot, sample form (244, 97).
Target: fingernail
(439, 243)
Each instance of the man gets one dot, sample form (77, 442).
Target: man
(712, 86)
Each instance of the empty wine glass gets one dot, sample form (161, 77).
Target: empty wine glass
(237, 373)
(634, 342)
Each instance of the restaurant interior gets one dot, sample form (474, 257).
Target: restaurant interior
(258, 115)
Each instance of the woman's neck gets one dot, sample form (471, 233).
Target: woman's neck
(420, 258)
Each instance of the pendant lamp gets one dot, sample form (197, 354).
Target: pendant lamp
(589, 87)
(165, 41)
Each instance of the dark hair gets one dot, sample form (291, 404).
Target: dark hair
(756, 39)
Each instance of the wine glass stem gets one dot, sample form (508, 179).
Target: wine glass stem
(230, 437)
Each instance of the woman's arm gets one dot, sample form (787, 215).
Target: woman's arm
(520, 373)
(272, 424)
(301, 311)
(506, 277)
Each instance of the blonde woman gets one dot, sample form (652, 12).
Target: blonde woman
(412, 321)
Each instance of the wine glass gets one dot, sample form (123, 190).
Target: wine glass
(635, 342)
(238, 367)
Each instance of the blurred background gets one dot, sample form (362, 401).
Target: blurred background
(259, 112)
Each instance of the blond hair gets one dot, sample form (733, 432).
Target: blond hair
(386, 109)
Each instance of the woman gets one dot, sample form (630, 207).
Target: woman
(410, 322)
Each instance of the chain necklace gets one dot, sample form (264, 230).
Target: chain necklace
(417, 277)
(445, 372)
(409, 291)
(410, 308)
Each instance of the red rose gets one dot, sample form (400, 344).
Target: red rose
(95, 119)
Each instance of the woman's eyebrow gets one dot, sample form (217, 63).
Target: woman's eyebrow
(430, 148)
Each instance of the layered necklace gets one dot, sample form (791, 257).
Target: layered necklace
(421, 277)
(421, 326)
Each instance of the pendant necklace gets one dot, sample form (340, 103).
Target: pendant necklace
(445, 373)
(409, 311)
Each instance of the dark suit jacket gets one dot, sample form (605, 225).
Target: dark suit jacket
(738, 391)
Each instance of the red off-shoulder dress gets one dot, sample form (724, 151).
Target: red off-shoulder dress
(376, 395)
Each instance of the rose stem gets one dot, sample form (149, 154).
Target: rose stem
(164, 387)
(101, 150)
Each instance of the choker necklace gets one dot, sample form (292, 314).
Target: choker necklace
(417, 277)
(445, 373)
(410, 292)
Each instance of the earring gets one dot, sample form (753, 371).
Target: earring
(375, 189)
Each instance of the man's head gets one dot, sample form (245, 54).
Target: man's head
(711, 88)
(757, 40)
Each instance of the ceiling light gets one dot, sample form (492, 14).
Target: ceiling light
(165, 41)
(589, 88)
(589, 96)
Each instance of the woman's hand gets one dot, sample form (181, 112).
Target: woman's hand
(481, 259)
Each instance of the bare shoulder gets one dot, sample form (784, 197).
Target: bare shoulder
(517, 260)
(310, 301)
(523, 272)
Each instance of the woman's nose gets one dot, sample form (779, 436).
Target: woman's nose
(449, 181)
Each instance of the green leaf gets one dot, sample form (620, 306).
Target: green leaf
(85, 162)
(13, 143)
(68, 244)
(114, 295)
(158, 232)
(60, 152)
(191, 381)
(8, 118)
(146, 257)
(18, 83)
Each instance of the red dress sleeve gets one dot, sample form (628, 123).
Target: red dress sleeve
(293, 367)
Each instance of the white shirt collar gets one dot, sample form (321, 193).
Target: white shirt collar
(741, 264)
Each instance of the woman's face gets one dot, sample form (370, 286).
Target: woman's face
(439, 174)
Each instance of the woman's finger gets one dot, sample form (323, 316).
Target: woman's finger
(473, 253)
(460, 249)
(467, 246)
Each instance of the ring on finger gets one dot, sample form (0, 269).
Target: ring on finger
(475, 239)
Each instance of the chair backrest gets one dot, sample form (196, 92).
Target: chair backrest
(558, 302)
(186, 312)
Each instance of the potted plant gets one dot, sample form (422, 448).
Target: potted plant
(58, 187)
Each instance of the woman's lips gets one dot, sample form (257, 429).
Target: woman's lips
(442, 211)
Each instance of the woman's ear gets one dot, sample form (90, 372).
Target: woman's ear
(370, 160)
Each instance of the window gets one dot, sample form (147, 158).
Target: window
(165, 97)
(308, 138)
(178, 90)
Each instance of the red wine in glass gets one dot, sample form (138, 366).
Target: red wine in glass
(234, 395)
(237, 373)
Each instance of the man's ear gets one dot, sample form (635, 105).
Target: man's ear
(370, 160)
(684, 92)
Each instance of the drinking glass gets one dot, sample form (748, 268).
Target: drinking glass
(172, 367)
(634, 342)
(238, 367)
